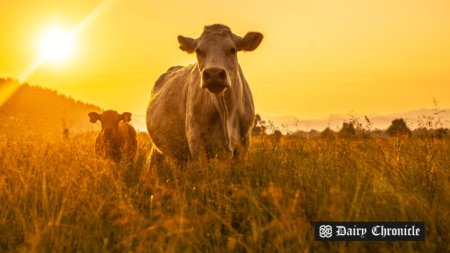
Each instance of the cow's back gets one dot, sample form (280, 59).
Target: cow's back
(166, 112)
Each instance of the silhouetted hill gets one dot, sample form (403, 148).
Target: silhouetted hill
(34, 106)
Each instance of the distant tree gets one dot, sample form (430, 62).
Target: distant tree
(277, 132)
(423, 133)
(398, 127)
(440, 133)
(300, 133)
(259, 125)
(327, 133)
(347, 130)
(256, 130)
(313, 133)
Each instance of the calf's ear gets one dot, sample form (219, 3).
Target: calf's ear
(94, 116)
(250, 41)
(126, 117)
(188, 45)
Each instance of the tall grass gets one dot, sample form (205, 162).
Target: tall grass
(57, 197)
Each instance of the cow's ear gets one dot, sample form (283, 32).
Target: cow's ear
(188, 45)
(94, 117)
(126, 117)
(250, 41)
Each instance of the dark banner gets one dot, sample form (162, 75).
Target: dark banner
(369, 231)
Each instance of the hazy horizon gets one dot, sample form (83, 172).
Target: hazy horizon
(293, 122)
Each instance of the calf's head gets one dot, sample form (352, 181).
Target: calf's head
(216, 51)
(110, 122)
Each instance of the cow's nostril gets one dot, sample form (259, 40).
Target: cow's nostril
(222, 75)
(205, 75)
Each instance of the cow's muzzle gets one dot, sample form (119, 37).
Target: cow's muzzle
(109, 133)
(215, 80)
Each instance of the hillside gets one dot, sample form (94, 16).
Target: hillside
(32, 107)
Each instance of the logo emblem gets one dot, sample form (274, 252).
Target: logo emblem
(325, 231)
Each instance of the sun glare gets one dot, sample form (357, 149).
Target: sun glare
(56, 46)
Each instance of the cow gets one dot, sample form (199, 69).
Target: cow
(206, 107)
(116, 137)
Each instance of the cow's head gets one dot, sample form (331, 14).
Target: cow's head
(110, 121)
(216, 51)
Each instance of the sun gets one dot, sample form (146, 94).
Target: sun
(56, 46)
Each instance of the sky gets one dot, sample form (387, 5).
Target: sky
(317, 58)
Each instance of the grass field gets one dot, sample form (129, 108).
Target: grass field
(57, 197)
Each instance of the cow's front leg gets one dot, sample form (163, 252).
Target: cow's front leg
(197, 147)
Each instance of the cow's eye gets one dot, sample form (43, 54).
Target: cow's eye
(198, 51)
(232, 51)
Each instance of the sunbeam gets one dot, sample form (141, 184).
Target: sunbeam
(56, 46)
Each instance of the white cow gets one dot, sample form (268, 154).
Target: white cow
(207, 107)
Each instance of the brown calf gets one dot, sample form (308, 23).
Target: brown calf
(117, 137)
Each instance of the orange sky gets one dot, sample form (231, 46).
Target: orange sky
(318, 57)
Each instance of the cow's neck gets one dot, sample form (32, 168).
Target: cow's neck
(227, 103)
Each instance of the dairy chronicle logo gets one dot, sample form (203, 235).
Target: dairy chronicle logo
(325, 231)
